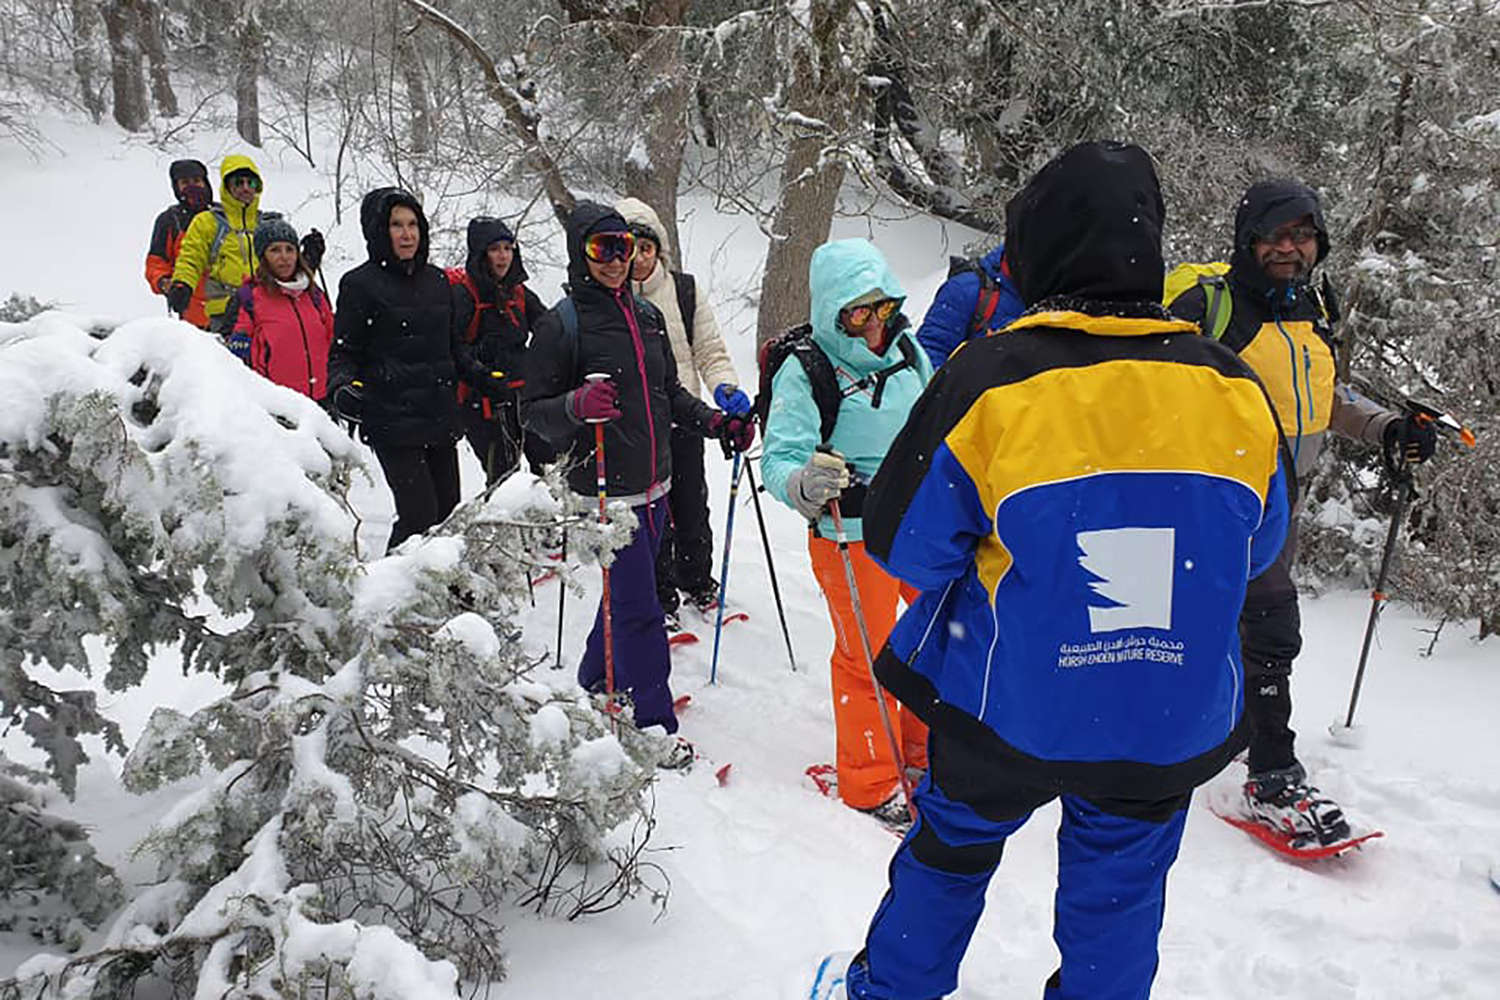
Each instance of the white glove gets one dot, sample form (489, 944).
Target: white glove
(822, 479)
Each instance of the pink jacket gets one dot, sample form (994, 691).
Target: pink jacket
(290, 333)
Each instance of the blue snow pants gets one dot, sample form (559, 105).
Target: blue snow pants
(643, 660)
(1113, 857)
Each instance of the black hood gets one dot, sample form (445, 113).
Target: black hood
(484, 231)
(375, 222)
(189, 168)
(1088, 226)
(586, 218)
(1266, 206)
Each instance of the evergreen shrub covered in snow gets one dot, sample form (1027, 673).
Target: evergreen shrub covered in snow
(383, 775)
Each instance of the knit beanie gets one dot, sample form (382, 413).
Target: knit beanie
(273, 229)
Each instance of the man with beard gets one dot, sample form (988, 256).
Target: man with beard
(1268, 311)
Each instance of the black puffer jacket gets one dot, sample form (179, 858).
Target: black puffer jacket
(506, 310)
(393, 333)
(626, 338)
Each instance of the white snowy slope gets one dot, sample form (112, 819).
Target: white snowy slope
(765, 875)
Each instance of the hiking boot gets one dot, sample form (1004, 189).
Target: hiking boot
(1283, 801)
(671, 623)
(892, 812)
(680, 757)
(704, 597)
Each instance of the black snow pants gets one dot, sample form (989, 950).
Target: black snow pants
(685, 560)
(424, 484)
(1270, 639)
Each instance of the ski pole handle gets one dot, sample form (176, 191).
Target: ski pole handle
(597, 377)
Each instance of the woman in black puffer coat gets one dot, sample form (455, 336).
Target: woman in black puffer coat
(395, 365)
(601, 328)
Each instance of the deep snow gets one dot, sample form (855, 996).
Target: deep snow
(766, 875)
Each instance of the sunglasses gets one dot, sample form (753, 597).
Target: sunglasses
(601, 248)
(243, 180)
(857, 316)
(1297, 234)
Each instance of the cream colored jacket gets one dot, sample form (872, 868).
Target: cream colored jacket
(703, 364)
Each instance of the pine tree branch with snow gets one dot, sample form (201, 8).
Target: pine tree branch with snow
(385, 775)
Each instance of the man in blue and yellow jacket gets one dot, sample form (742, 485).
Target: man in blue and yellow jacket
(1268, 311)
(1081, 499)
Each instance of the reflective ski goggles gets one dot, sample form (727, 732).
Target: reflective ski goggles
(243, 177)
(601, 248)
(857, 316)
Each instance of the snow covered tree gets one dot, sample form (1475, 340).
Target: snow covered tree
(383, 774)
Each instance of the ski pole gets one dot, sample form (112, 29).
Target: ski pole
(607, 612)
(1406, 490)
(765, 541)
(864, 641)
(734, 491)
(562, 596)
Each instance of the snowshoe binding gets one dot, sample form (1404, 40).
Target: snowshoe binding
(679, 757)
(1284, 802)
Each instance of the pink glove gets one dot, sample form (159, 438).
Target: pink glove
(595, 402)
(735, 432)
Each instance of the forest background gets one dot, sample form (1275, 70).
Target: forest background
(790, 114)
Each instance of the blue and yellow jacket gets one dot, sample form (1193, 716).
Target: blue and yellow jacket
(1081, 500)
(840, 272)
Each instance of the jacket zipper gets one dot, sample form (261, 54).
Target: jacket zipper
(1307, 382)
(1291, 347)
(306, 349)
(640, 364)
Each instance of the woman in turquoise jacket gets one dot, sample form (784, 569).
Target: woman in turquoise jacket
(880, 371)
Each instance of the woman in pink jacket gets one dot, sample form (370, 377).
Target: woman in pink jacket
(284, 326)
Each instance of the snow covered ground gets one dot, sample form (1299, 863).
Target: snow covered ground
(765, 875)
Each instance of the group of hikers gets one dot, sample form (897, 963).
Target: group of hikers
(1079, 474)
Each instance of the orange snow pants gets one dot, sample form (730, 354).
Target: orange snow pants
(867, 774)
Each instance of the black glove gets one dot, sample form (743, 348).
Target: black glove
(1409, 440)
(179, 297)
(494, 385)
(349, 401)
(313, 246)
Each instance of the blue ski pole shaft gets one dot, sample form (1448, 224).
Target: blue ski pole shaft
(734, 489)
(765, 541)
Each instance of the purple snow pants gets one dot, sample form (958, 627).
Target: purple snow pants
(643, 660)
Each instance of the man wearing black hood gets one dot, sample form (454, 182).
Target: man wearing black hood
(395, 363)
(1081, 499)
(493, 313)
(191, 189)
(600, 328)
(1269, 312)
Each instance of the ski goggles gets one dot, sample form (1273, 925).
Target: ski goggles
(601, 248)
(244, 177)
(857, 316)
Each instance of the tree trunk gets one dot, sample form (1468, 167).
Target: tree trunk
(810, 176)
(416, 92)
(148, 15)
(127, 74)
(83, 57)
(249, 51)
(664, 120)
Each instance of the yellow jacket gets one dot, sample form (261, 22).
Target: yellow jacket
(235, 260)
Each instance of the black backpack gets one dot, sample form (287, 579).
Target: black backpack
(798, 342)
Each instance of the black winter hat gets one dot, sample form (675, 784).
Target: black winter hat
(181, 169)
(1088, 225)
(273, 228)
(375, 221)
(485, 231)
(587, 218)
(1265, 207)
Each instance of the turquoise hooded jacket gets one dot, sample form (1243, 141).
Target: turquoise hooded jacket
(840, 272)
